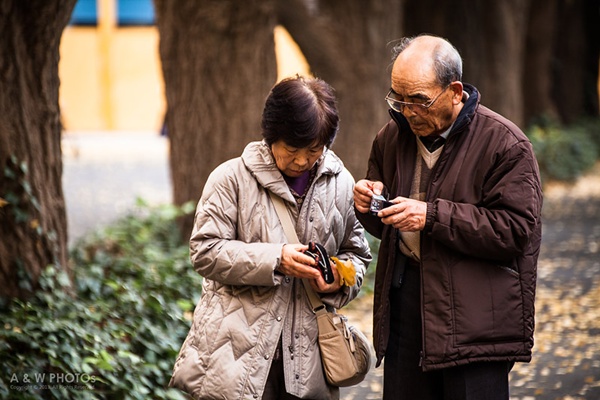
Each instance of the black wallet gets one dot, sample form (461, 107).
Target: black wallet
(318, 252)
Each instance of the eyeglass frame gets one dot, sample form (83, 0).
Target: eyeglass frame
(423, 106)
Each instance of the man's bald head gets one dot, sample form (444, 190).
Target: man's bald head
(433, 52)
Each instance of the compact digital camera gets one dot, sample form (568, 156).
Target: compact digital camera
(318, 252)
(378, 203)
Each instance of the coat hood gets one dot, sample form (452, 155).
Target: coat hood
(259, 160)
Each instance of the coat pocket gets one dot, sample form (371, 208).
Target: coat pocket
(488, 303)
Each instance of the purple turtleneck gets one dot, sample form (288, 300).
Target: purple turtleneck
(299, 184)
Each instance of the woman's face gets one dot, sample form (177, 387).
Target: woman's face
(293, 161)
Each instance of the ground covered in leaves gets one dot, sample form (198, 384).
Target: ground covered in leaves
(566, 359)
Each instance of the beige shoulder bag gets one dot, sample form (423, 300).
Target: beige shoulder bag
(345, 351)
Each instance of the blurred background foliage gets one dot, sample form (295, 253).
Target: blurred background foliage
(565, 152)
(119, 324)
(121, 321)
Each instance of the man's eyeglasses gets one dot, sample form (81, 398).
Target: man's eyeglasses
(398, 105)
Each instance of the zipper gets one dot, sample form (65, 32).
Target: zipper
(435, 172)
(422, 352)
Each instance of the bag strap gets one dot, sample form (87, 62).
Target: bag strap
(290, 233)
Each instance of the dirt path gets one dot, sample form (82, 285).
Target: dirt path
(566, 359)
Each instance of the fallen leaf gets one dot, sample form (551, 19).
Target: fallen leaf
(346, 270)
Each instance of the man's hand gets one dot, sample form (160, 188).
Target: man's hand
(406, 215)
(363, 192)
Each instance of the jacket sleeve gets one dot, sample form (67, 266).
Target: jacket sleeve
(501, 225)
(215, 252)
(354, 245)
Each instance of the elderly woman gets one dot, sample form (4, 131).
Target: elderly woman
(254, 334)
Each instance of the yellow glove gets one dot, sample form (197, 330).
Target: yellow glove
(346, 270)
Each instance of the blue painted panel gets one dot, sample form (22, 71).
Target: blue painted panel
(135, 12)
(84, 13)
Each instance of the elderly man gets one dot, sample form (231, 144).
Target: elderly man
(456, 275)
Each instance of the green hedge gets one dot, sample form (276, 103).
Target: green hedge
(565, 152)
(113, 331)
(116, 330)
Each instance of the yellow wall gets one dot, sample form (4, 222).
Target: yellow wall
(290, 60)
(79, 79)
(111, 79)
(112, 85)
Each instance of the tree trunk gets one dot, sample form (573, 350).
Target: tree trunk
(576, 59)
(538, 78)
(561, 71)
(218, 61)
(591, 61)
(346, 43)
(33, 228)
(529, 59)
(490, 36)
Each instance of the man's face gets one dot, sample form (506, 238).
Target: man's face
(433, 108)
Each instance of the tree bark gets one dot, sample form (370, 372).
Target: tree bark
(529, 59)
(218, 61)
(591, 61)
(346, 43)
(538, 79)
(576, 59)
(33, 228)
(490, 35)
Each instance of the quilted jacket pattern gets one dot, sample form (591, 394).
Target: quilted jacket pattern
(246, 306)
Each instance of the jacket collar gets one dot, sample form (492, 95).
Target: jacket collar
(464, 117)
(258, 159)
(468, 111)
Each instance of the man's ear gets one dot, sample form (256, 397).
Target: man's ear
(457, 92)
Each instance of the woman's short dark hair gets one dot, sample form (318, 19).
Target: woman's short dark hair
(301, 112)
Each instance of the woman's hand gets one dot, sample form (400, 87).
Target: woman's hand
(320, 286)
(297, 264)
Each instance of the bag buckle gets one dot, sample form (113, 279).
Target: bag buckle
(316, 310)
